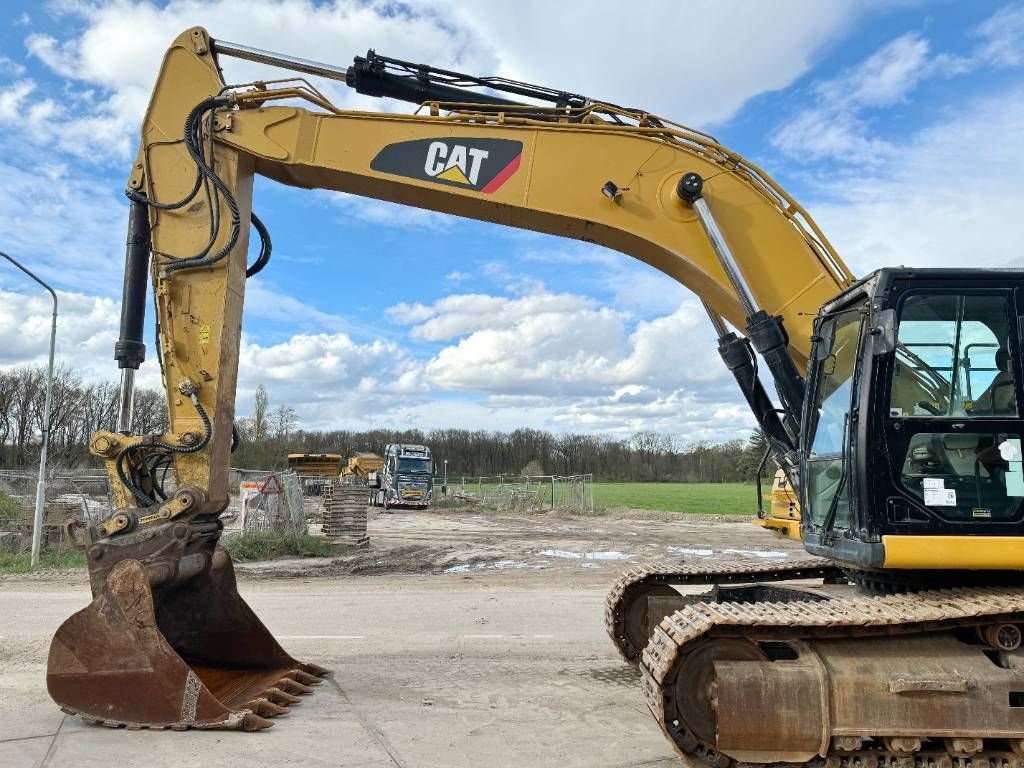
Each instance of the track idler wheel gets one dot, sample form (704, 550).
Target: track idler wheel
(188, 655)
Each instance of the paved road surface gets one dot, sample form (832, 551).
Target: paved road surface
(433, 671)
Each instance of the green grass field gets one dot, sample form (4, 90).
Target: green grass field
(271, 546)
(686, 498)
(21, 562)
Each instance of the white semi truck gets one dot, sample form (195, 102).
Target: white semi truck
(407, 477)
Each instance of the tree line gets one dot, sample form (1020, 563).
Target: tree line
(268, 434)
(77, 410)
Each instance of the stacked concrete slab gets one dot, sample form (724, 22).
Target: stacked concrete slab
(345, 514)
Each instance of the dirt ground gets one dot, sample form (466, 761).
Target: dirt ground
(456, 639)
(551, 548)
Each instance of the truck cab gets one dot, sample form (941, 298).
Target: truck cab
(407, 478)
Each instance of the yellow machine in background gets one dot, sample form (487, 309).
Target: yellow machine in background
(315, 470)
(362, 469)
(783, 513)
(321, 464)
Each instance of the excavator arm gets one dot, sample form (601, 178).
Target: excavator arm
(582, 169)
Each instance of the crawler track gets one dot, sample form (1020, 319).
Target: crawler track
(624, 605)
(827, 624)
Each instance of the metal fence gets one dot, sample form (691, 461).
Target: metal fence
(512, 493)
(265, 502)
(80, 496)
(261, 502)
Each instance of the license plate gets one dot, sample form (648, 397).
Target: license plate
(412, 494)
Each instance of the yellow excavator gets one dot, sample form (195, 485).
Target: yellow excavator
(895, 642)
(783, 513)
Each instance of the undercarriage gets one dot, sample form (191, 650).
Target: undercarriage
(790, 664)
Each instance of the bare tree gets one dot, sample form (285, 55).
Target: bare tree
(283, 422)
(259, 423)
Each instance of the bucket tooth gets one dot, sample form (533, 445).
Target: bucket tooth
(177, 655)
(278, 696)
(252, 722)
(303, 677)
(314, 669)
(266, 708)
(288, 685)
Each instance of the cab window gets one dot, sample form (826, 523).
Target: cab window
(827, 486)
(953, 358)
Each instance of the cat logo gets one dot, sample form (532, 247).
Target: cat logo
(451, 163)
(480, 165)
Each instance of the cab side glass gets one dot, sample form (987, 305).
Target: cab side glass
(953, 358)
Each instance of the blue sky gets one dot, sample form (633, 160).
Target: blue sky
(900, 125)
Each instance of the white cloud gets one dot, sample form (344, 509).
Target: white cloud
(554, 360)
(836, 126)
(331, 380)
(265, 302)
(67, 225)
(1002, 37)
(550, 361)
(87, 327)
(886, 76)
(702, 59)
(463, 314)
(632, 285)
(833, 127)
(9, 66)
(122, 44)
(677, 412)
(560, 345)
(951, 196)
(386, 213)
(13, 97)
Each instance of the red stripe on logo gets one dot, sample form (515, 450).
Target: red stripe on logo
(494, 184)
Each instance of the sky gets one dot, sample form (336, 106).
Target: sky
(899, 125)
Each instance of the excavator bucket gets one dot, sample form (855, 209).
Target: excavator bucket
(179, 655)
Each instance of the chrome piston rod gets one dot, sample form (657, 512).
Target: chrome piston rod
(238, 51)
(126, 401)
(719, 244)
(765, 333)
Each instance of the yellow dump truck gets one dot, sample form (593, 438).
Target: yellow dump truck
(363, 469)
(314, 469)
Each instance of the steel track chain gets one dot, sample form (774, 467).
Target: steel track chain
(633, 582)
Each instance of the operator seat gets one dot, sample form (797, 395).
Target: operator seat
(1000, 398)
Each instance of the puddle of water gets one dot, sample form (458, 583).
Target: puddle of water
(585, 555)
(496, 565)
(769, 555)
(607, 556)
(688, 551)
(562, 553)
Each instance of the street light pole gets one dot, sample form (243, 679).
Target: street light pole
(37, 522)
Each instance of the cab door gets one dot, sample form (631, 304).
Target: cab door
(953, 437)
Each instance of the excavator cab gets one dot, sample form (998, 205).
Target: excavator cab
(911, 439)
